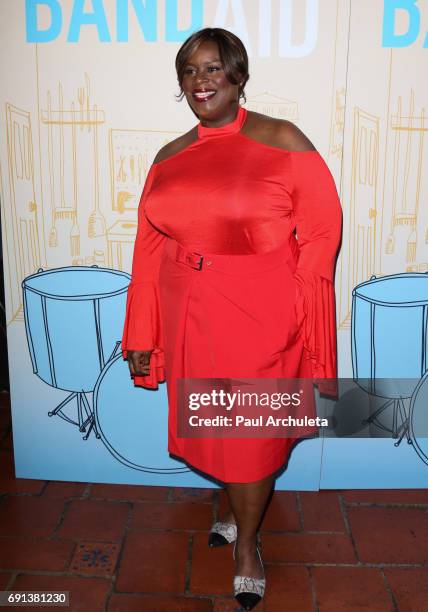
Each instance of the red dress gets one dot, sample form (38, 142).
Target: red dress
(262, 303)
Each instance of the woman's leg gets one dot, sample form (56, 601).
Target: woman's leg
(248, 502)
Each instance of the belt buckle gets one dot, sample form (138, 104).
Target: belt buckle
(198, 265)
(190, 260)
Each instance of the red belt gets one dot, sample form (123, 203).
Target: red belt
(251, 263)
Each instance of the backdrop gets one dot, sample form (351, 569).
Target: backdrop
(87, 99)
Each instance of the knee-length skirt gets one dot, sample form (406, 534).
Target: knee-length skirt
(227, 316)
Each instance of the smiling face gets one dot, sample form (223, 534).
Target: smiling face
(208, 92)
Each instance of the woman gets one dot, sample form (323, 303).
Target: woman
(221, 287)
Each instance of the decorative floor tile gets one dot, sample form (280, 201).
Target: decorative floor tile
(95, 558)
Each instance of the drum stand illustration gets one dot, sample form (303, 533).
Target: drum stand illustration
(82, 404)
(389, 327)
(398, 431)
(73, 317)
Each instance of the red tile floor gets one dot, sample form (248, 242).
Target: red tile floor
(129, 548)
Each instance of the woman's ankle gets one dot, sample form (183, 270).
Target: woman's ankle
(247, 545)
(229, 518)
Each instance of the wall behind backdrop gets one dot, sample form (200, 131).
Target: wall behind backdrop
(87, 100)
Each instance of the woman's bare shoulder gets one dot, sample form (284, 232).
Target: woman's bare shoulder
(176, 145)
(278, 133)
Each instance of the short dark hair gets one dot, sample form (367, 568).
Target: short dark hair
(233, 56)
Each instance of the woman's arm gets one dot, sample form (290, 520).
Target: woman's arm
(318, 220)
(142, 340)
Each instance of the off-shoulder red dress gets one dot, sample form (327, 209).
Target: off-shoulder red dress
(261, 301)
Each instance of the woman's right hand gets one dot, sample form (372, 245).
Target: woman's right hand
(139, 362)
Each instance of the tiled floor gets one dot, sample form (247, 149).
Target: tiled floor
(126, 548)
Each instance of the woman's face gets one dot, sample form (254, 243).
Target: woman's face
(209, 94)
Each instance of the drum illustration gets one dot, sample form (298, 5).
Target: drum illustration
(419, 419)
(73, 319)
(133, 421)
(389, 331)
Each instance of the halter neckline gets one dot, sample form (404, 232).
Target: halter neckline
(229, 128)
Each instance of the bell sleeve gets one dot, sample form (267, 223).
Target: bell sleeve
(143, 328)
(318, 220)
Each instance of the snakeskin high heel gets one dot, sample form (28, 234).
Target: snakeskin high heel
(248, 590)
(221, 534)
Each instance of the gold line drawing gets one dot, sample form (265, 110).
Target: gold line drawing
(97, 258)
(338, 91)
(53, 234)
(40, 207)
(405, 213)
(64, 212)
(364, 253)
(81, 113)
(21, 206)
(75, 231)
(385, 163)
(131, 154)
(96, 222)
(358, 251)
(11, 291)
(335, 151)
(338, 124)
(273, 105)
(365, 161)
(120, 233)
(333, 105)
